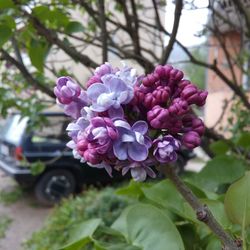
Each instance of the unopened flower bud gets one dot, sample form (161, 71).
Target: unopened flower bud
(191, 139)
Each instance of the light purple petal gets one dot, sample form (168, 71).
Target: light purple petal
(127, 138)
(138, 174)
(97, 108)
(116, 113)
(150, 172)
(124, 95)
(67, 92)
(147, 141)
(137, 152)
(106, 100)
(139, 138)
(108, 168)
(141, 127)
(95, 90)
(115, 85)
(129, 96)
(123, 124)
(71, 144)
(82, 123)
(125, 170)
(120, 150)
(72, 127)
(77, 155)
(72, 110)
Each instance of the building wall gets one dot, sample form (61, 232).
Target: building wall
(218, 90)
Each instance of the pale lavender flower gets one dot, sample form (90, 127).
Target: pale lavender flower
(140, 170)
(165, 149)
(132, 142)
(127, 74)
(104, 165)
(111, 93)
(104, 69)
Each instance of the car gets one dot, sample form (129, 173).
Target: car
(21, 146)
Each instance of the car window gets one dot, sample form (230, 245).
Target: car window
(13, 129)
(53, 132)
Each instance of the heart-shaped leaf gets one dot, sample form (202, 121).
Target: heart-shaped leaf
(237, 201)
(147, 227)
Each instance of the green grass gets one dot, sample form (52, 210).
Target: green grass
(9, 197)
(4, 224)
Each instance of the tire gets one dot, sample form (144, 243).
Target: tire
(53, 186)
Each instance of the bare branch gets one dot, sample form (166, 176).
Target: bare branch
(29, 78)
(177, 15)
(103, 31)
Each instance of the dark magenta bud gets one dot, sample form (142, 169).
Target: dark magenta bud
(191, 139)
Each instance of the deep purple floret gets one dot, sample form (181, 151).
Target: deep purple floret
(70, 96)
(165, 149)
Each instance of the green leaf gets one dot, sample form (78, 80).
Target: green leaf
(114, 246)
(148, 228)
(133, 190)
(243, 140)
(4, 4)
(42, 12)
(166, 195)
(81, 234)
(59, 18)
(56, 18)
(214, 244)
(5, 34)
(219, 147)
(74, 27)
(237, 201)
(8, 21)
(223, 169)
(38, 51)
(37, 168)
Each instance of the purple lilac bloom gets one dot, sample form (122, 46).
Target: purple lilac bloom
(101, 134)
(70, 95)
(132, 142)
(95, 142)
(165, 149)
(140, 170)
(112, 93)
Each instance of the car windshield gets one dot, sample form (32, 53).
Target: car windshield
(13, 129)
(54, 131)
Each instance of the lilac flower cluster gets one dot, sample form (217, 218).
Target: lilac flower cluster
(128, 122)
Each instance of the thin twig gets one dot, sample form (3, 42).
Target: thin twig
(103, 31)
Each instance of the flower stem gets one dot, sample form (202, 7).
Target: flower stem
(202, 211)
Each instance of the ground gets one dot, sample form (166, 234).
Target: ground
(25, 214)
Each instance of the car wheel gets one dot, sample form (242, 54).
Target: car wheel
(53, 186)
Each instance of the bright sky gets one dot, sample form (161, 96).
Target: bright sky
(191, 23)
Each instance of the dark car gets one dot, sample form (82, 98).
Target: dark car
(20, 146)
